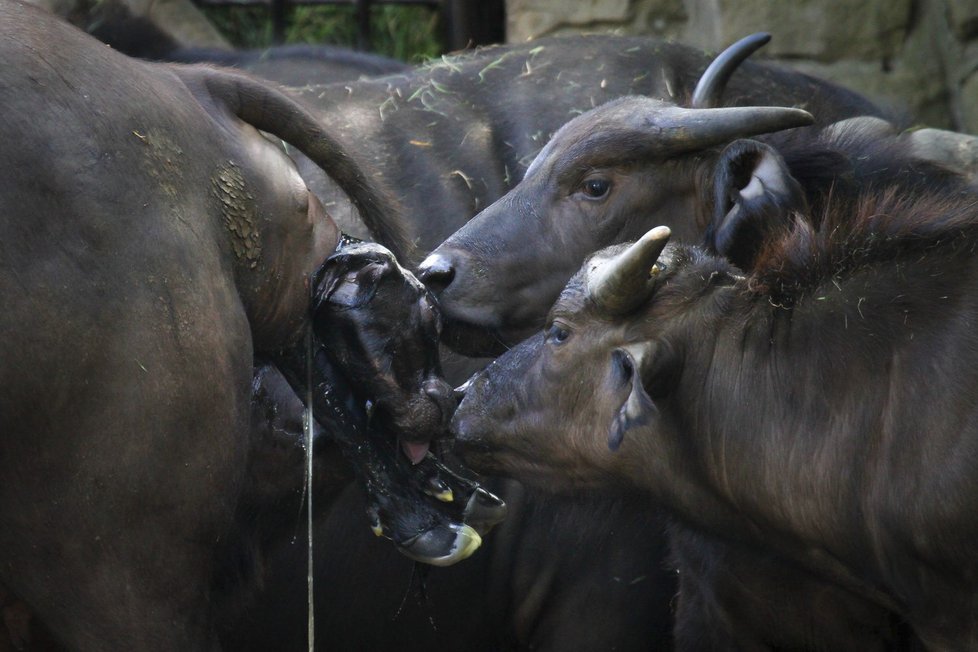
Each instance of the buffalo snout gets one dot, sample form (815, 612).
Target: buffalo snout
(443, 396)
(437, 271)
(468, 424)
(421, 419)
(455, 275)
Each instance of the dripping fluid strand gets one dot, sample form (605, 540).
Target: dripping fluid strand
(308, 427)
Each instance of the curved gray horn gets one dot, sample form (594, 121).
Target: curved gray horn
(626, 281)
(709, 89)
(955, 150)
(675, 130)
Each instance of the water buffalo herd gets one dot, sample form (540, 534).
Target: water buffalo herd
(731, 305)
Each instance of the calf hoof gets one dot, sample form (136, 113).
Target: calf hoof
(442, 545)
(484, 511)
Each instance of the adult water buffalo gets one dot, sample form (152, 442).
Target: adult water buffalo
(451, 137)
(726, 591)
(597, 182)
(600, 181)
(153, 242)
(814, 407)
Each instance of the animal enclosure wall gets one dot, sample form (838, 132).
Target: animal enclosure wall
(917, 54)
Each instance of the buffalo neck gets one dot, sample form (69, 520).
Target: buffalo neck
(833, 425)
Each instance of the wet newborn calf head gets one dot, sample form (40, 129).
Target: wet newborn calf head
(382, 327)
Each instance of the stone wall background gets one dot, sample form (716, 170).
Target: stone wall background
(921, 55)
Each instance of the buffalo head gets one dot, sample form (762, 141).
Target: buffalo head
(374, 378)
(595, 184)
(381, 327)
(556, 409)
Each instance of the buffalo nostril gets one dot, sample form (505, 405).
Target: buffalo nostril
(443, 396)
(437, 272)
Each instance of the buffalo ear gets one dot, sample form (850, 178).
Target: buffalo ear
(638, 409)
(756, 199)
(348, 282)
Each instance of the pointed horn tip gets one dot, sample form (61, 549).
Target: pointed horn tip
(657, 237)
(782, 115)
(804, 115)
(658, 233)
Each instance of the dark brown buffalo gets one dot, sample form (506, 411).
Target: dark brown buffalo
(598, 181)
(729, 592)
(813, 406)
(454, 135)
(153, 243)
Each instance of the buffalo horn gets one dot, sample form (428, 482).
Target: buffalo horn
(624, 282)
(709, 89)
(955, 150)
(676, 130)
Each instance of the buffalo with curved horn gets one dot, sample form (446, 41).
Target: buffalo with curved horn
(595, 183)
(722, 396)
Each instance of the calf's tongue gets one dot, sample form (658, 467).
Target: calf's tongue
(414, 452)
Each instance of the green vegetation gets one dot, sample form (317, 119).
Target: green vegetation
(409, 33)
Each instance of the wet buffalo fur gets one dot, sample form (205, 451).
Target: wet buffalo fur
(865, 203)
(866, 200)
(899, 230)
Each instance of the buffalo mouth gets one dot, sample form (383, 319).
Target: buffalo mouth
(471, 439)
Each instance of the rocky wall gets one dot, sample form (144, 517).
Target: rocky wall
(920, 55)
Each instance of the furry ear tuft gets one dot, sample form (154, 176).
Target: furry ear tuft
(348, 285)
(755, 198)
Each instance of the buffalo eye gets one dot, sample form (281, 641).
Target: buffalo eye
(557, 334)
(596, 188)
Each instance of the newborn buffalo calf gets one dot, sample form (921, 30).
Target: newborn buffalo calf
(376, 382)
(380, 325)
